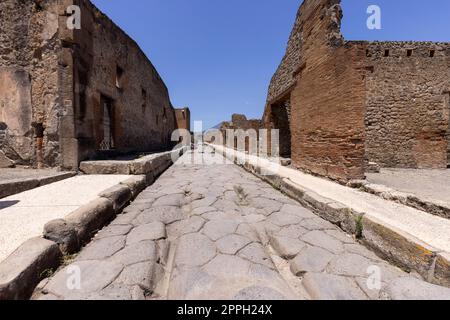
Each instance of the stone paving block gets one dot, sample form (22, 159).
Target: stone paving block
(94, 276)
(206, 202)
(324, 241)
(138, 274)
(414, 289)
(294, 231)
(350, 264)
(201, 210)
(246, 230)
(102, 248)
(217, 229)
(140, 252)
(194, 250)
(190, 225)
(114, 230)
(270, 206)
(322, 286)
(126, 218)
(255, 252)
(259, 293)
(151, 231)
(283, 219)
(297, 210)
(232, 243)
(286, 247)
(317, 224)
(190, 283)
(341, 236)
(115, 292)
(166, 215)
(311, 259)
(175, 200)
(226, 266)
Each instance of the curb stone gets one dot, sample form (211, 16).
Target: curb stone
(13, 187)
(22, 271)
(407, 199)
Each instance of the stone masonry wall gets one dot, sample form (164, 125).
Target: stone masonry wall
(55, 81)
(29, 48)
(183, 118)
(324, 77)
(407, 110)
(111, 65)
(351, 104)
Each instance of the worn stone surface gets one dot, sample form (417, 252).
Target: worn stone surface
(25, 268)
(331, 287)
(312, 259)
(414, 289)
(63, 234)
(194, 250)
(151, 231)
(213, 252)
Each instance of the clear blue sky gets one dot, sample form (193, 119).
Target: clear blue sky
(217, 56)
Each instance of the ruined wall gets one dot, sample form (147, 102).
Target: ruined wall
(354, 102)
(29, 48)
(407, 112)
(183, 117)
(448, 130)
(55, 82)
(239, 122)
(110, 66)
(323, 78)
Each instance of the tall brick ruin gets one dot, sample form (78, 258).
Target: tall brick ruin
(69, 95)
(342, 104)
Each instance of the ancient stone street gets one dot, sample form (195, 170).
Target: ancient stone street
(218, 232)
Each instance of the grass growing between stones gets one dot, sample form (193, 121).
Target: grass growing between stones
(359, 226)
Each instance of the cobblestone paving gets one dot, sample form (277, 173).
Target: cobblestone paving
(218, 232)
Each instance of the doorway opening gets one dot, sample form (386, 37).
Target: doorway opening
(281, 120)
(108, 127)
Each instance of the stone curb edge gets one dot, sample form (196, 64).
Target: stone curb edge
(13, 187)
(143, 166)
(389, 243)
(23, 270)
(404, 198)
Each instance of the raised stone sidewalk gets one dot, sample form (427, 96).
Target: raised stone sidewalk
(67, 214)
(410, 238)
(218, 232)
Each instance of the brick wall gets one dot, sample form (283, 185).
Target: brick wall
(407, 112)
(350, 104)
(324, 79)
(183, 117)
